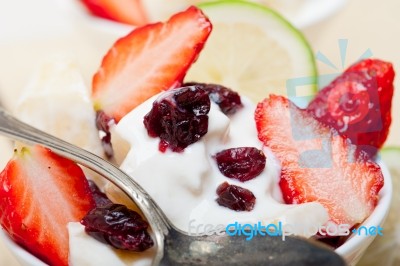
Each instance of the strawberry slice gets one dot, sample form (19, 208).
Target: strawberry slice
(358, 104)
(147, 61)
(317, 163)
(40, 193)
(125, 11)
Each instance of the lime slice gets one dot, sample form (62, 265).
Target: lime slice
(254, 51)
(384, 250)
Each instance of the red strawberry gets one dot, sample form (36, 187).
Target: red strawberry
(147, 61)
(358, 104)
(40, 193)
(317, 163)
(125, 11)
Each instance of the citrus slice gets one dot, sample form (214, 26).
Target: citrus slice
(384, 250)
(255, 51)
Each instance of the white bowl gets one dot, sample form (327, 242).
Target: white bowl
(351, 250)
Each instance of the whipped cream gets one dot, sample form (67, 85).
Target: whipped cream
(184, 184)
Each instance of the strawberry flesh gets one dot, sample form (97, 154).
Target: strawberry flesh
(40, 193)
(317, 163)
(125, 11)
(358, 104)
(150, 59)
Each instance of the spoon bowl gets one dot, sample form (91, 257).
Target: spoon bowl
(175, 247)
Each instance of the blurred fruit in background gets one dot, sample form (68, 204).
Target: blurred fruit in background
(301, 13)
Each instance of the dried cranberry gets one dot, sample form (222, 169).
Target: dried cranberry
(100, 198)
(119, 227)
(228, 100)
(243, 163)
(235, 198)
(103, 125)
(179, 118)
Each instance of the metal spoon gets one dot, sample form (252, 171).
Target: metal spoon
(175, 247)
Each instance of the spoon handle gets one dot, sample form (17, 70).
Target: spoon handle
(17, 130)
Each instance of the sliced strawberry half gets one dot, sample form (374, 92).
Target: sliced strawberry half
(358, 104)
(147, 61)
(125, 11)
(40, 193)
(317, 163)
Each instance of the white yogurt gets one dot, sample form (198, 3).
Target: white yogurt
(184, 184)
(85, 250)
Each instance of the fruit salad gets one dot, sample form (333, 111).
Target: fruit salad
(206, 153)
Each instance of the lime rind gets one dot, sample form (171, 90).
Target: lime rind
(395, 150)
